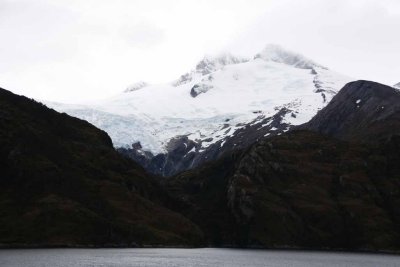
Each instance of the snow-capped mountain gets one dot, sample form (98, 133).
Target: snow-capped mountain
(397, 85)
(208, 65)
(277, 54)
(207, 108)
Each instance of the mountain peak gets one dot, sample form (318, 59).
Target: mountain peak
(277, 53)
(271, 52)
(210, 64)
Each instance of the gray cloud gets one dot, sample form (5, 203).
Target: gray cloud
(357, 38)
(71, 49)
(143, 34)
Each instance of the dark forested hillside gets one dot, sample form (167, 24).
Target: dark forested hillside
(299, 190)
(62, 183)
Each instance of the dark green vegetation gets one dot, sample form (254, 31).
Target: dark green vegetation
(62, 183)
(299, 190)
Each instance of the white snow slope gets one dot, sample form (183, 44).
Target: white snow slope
(229, 91)
(397, 85)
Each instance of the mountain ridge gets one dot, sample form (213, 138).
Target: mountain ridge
(357, 112)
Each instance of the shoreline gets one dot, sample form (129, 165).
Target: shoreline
(266, 249)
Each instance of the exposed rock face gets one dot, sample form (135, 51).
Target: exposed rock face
(184, 154)
(63, 184)
(363, 110)
(137, 154)
(209, 64)
(200, 89)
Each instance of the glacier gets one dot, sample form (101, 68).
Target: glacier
(230, 92)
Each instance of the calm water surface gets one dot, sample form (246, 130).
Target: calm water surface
(187, 257)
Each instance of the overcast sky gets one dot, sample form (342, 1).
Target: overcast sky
(77, 50)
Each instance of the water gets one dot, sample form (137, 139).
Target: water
(187, 257)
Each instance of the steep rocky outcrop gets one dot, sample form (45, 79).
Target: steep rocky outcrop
(200, 88)
(63, 184)
(362, 111)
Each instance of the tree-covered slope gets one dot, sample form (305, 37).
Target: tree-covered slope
(62, 183)
(298, 190)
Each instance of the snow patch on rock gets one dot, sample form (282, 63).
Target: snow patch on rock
(209, 65)
(200, 88)
(135, 87)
